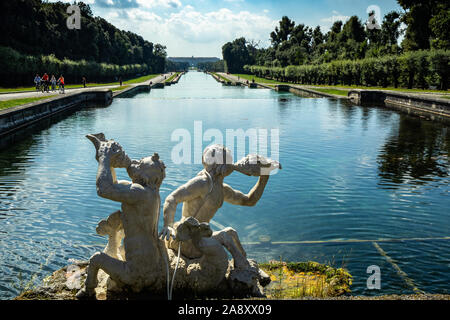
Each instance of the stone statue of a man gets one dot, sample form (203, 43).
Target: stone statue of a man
(144, 261)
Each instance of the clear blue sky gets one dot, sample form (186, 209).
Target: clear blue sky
(201, 27)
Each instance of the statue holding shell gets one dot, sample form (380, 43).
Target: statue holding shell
(203, 195)
(188, 252)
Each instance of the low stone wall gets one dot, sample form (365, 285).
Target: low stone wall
(428, 107)
(305, 92)
(130, 92)
(431, 108)
(282, 87)
(158, 85)
(177, 78)
(17, 117)
(264, 86)
(215, 77)
(365, 96)
(226, 83)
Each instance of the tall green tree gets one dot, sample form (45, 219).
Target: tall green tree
(236, 55)
(440, 27)
(390, 28)
(37, 27)
(353, 29)
(385, 40)
(426, 20)
(282, 33)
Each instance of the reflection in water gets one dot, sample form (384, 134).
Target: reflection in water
(349, 172)
(25, 133)
(349, 112)
(13, 160)
(417, 149)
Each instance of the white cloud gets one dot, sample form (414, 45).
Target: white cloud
(191, 32)
(329, 21)
(139, 15)
(109, 16)
(159, 3)
(335, 17)
(71, 1)
(223, 24)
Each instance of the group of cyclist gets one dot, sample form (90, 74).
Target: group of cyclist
(43, 84)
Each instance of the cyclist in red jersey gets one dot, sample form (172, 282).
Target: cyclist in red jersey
(61, 82)
(45, 79)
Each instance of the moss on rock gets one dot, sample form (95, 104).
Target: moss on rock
(293, 280)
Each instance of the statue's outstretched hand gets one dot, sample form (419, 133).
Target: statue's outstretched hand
(256, 165)
(167, 232)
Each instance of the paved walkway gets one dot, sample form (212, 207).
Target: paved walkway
(234, 78)
(34, 94)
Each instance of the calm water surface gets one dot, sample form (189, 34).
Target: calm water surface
(349, 173)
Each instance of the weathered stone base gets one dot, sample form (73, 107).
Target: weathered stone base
(289, 281)
(64, 283)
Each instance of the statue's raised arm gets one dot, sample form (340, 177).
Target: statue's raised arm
(110, 155)
(251, 165)
(203, 195)
(142, 260)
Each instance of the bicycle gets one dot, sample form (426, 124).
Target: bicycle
(60, 87)
(44, 86)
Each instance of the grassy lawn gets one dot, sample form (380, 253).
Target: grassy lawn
(17, 102)
(221, 77)
(172, 77)
(73, 86)
(120, 88)
(141, 79)
(250, 77)
(332, 91)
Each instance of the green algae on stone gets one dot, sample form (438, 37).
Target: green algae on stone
(293, 280)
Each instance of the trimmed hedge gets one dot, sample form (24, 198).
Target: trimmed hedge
(18, 69)
(418, 69)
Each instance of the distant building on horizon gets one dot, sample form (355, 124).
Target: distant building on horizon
(193, 61)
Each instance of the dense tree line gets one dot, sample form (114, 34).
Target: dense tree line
(18, 69)
(413, 69)
(217, 66)
(299, 45)
(35, 27)
(173, 66)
